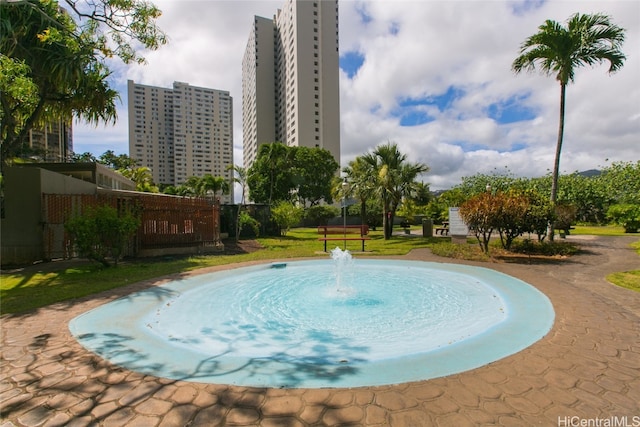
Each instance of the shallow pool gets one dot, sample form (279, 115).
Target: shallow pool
(307, 324)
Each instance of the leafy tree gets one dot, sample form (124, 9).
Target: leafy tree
(18, 97)
(450, 198)
(269, 176)
(313, 169)
(320, 214)
(117, 161)
(56, 67)
(540, 213)
(291, 173)
(511, 220)
(102, 233)
(495, 181)
(556, 49)
(479, 213)
(621, 181)
(286, 215)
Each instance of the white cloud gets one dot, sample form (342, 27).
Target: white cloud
(418, 49)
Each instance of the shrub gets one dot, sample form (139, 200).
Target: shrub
(627, 215)
(320, 214)
(286, 215)
(552, 248)
(245, 220)
(101, 233)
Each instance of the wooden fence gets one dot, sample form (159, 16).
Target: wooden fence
(167, 223)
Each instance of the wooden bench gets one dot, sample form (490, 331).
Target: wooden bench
(331, 232)
(442, 230)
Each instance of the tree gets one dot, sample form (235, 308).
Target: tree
(395, 179)
(556, 49)
(204, 186)
(479, 213)
(269, 177)
(143, 178)
(57, 68)
(627, 215)
(313, 169)
(299, 174)
(117, 162)
(239, 177)
(362, 185)
(85, 157)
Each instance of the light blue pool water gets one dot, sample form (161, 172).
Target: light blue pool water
(304, 324)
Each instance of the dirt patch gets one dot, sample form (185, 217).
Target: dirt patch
(241, 247)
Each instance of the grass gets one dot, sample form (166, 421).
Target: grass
(23, 291)
(599, 230)
(32, 288)
(627, 279)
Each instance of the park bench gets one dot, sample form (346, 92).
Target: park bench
(444, 229)
(344, 233)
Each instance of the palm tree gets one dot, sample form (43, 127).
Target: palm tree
(361, 180)
(206, 186)
(211, 185)
(394, 178)
(143, 178)
(586, 40)
(240, 176)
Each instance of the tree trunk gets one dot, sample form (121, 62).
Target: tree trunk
(556, 166)
(363, 211)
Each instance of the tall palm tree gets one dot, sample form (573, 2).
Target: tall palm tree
(556, 49)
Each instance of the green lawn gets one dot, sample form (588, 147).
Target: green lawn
(596, 230)
(22, 291)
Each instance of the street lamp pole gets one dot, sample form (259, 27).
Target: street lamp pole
(344, 210)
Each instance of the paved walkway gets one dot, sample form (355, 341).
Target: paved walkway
(587, 369)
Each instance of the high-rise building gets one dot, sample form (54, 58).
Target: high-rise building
(290, 79)
(181, 132)
(52, 142)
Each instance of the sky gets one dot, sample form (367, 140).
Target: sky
(432, 76)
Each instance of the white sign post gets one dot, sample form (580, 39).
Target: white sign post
(458, 230)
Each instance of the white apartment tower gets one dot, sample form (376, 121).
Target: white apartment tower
(290, 79)
(181, 132)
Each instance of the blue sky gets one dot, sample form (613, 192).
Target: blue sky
(432, 76)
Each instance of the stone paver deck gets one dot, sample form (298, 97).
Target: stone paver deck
(587, 369)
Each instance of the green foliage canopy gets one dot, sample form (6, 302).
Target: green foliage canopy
(299, 174)
(54, 68)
